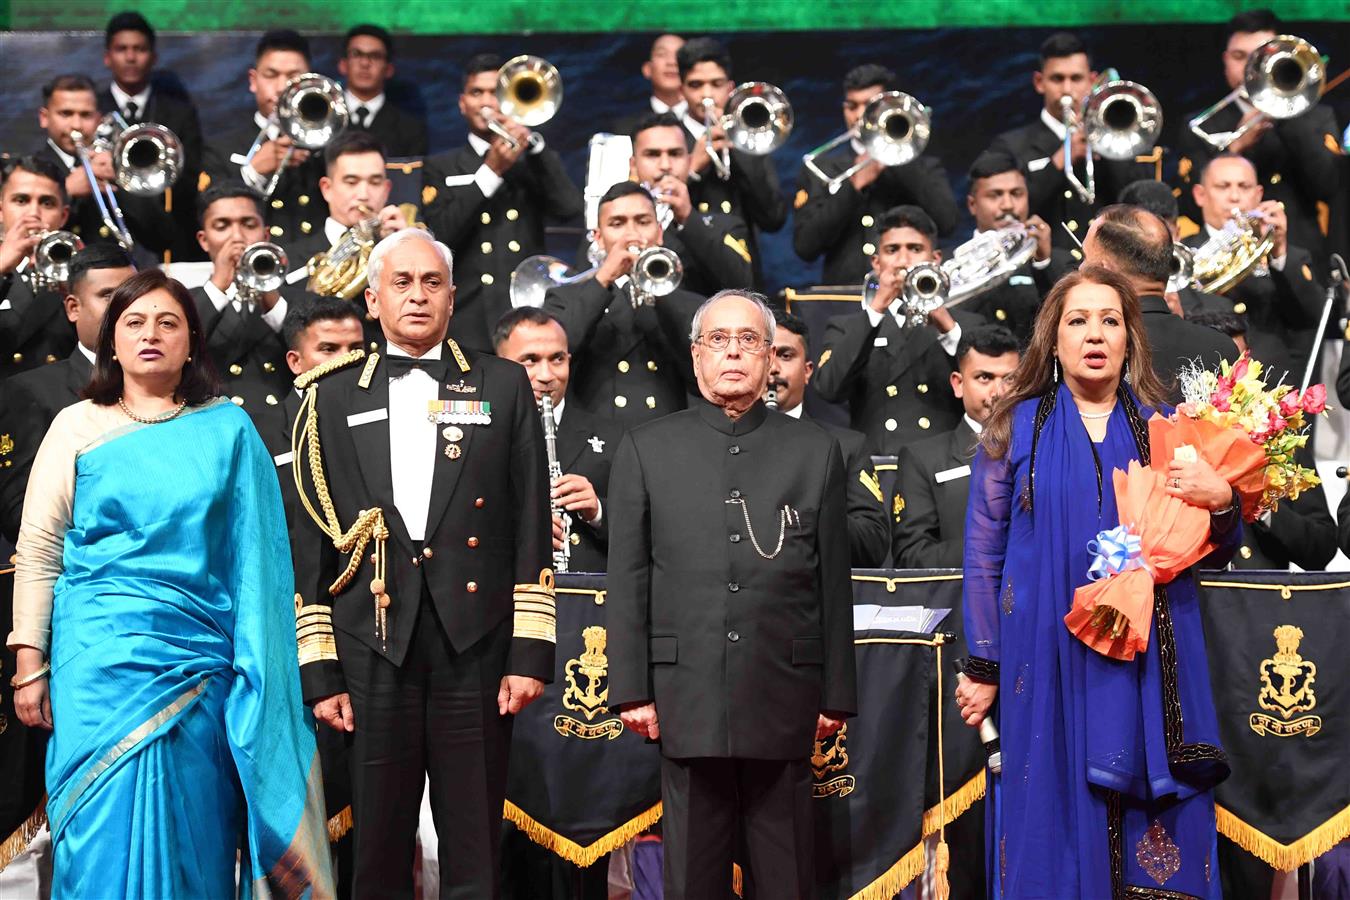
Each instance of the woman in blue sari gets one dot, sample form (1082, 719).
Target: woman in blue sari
(153, 561)
(1108, 766)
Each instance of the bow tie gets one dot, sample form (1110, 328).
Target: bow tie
(398, 366)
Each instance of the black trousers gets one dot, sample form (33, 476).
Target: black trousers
(711, 804)
(435, 717)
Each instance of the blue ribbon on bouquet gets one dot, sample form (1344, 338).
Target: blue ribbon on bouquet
(1115, 551)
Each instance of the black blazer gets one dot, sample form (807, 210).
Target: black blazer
(248, 355)
(1298, 163)
(896, 383)
(402, 134)
(630, 365)
(586, 446)
(179, 116)
(868, 530)
(932, 487)
(1049, 194)
(490, 236)
(28, 403)
(488, 530)
(1014, 303)
(1174, 343)
(1300, 532)
(843, 226)
(739, 652)
(34, 330)
(1282, 310)
(296, 207)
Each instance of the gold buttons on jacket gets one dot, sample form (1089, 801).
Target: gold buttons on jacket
(1276, 178)
(623, 366)
(485, 218)
(277, 231)
(869, 248)
(478, 504)
(891, 390)
(303, 199)
(651, 365)
(471, 587)
(51, 358)
(306, 228)
(236, 369)
(621, 401)
(268, 367)
(1239, 308)
(1068, 195)
(576, 538)
(1073, 224)
(922, 389)
(18, 358)
(923, 422)
(271, 399)
(486, 246)
(867, 221)
(513, 246)
(512, 215)
(1001, 315)
(891, 424)
(487, 278)
(237, 400)
(1246, 552)
(427, 553)
(277, 204)
(651, 403)
(472, 542)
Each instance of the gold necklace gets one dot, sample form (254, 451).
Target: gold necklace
(151, 420)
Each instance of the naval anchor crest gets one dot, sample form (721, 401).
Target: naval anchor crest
(1287, 689)
(587, 678)
(829, 755)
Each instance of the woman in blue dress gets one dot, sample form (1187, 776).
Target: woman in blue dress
(155, 632)
(1108, 766)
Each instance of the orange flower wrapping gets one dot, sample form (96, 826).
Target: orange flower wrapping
(1172, 534)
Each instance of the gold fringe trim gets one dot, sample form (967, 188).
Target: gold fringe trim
(957, 803)
(572, 851)
(340, 824)
(896, 878)
(1285, 857)
(18, 842)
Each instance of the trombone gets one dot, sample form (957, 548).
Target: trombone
(108, 208)
(1119, 119)
(310, 111)
(530, 92)
(261, 270)
(147, 158)
(893, 130)
(1283, 80)
(758, 119)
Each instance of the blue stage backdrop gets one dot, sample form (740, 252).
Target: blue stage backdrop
(978, 82)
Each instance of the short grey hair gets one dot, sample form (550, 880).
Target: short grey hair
(376, 261)
(770, 323)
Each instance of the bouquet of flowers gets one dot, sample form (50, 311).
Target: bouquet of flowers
(1249, 434)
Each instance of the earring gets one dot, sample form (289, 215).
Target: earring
(189, 359)
(1125, 370)
(114, 357)
(1056, 370)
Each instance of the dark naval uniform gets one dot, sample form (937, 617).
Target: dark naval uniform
(1174, 343)
(1049, 193)
(490, 236)
(714, 250)
(932, 487)
(842, 226)
(1301, 532)
(739, 638)
(34, 330)
(628, 364)
(896, 382)
(295, 208)
(151, 227)
(1015, 302)
(868, 531)
(249, 354)
(1282, 309)
(586, 446)
(468, 603)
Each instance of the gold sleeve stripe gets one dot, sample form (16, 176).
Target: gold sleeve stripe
(314, 633)
(317, 648)
(739, 247)
(536, 610)
(872, 484)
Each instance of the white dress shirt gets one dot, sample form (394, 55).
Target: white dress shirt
(948, 342)
(372, 106)
(696, 128)
(1051, 121)
(976, 427)
(273, 317)
(795, 412)
(64, 156)
(412, 441)
(678, 110)
(1277, 263)
(86, 352)
(122, 98)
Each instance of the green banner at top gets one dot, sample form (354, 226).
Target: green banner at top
(684, 16)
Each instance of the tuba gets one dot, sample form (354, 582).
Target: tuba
(1283, 79)
(1235, 252)
(1119, 119)
(894, 129)
(529, 91)
(757, 120)
(979, 265)
(261, 270)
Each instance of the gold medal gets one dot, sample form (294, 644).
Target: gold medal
(452, 451)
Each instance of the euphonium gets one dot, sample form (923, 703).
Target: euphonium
(979, 265)
(1235, 252)
(561, 558)
(894, 128)
(261, 270)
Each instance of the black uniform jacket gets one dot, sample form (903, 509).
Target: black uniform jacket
(34, 330)
(932, 487)
(1174, 343)
(296, 206)
(487, 550)
(868, 531)
(739, 652)
(1282, 309)
(586, 446)
(490, 236)
(248, 355)
(1050, 195)
(629, 364)
(402, 134)
(28, 404)
(843, 226)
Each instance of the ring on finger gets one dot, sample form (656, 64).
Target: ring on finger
(1176, 483)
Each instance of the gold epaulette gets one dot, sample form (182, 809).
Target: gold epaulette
(536, 610)
(460, 359)
(309, 376)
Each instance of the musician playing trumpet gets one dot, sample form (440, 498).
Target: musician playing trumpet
(32, 202)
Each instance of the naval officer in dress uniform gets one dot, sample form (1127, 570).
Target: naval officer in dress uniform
(432, 457)
(730, 610)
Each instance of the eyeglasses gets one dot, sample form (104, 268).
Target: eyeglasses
(719, 341)
(361, 55)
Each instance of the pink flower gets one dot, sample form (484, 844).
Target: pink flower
(1187, 409)
(1240, 368)
(1314, 399)
(1289, 404)
(1275, 424)
(1221, 397)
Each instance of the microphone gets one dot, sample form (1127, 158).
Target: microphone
(988, 731)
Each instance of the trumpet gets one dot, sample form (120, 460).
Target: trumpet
(893, 130)
(108, 208)
(530, 92)
(979, 265)
(1182, 269)
(757, 120)
(310, 111)
(657, 271)
(51, 259)
(1283, 80)
(261, 270)
(1119, 119)
(1238, 250)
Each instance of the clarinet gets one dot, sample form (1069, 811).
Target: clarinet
(560, 557)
